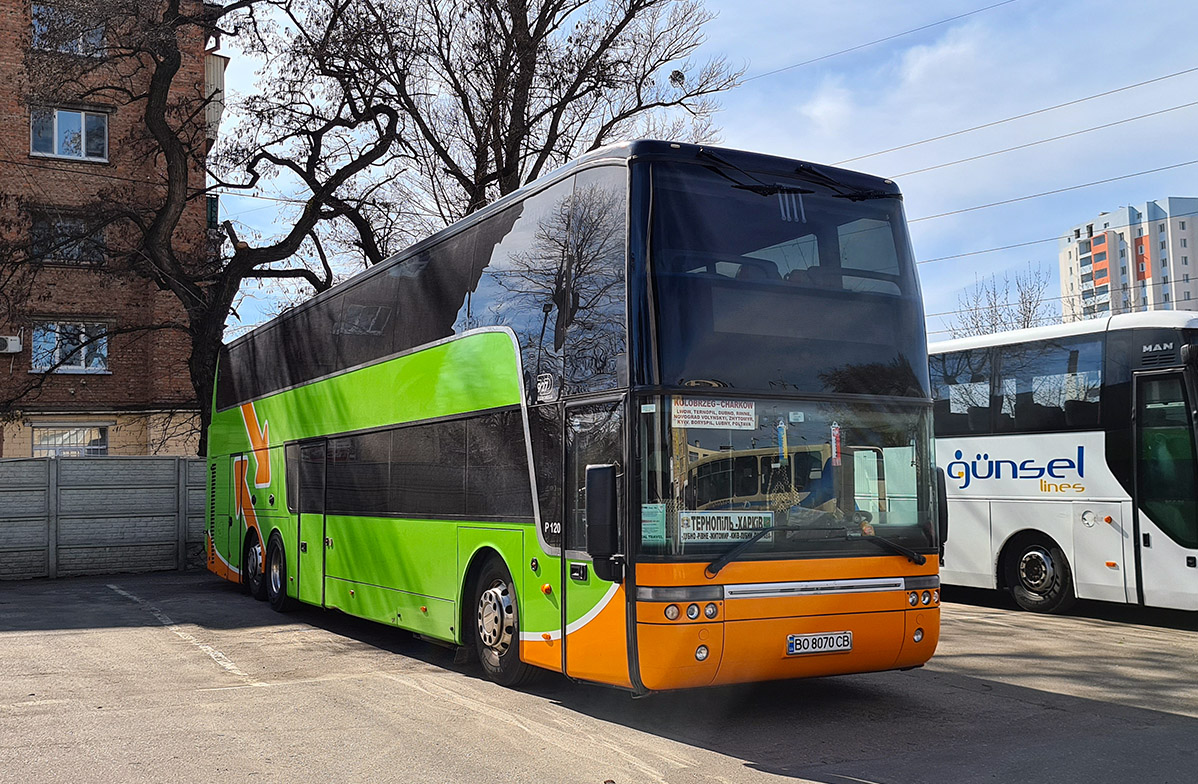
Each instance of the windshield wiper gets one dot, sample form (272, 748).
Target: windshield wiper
(760, 187)
(718, 564)
(715, 566)
(916, 558)
(843, 190)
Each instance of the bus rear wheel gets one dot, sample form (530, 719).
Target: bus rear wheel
(276, 575)
(252, 575)
(1039, 577)
(496, 626)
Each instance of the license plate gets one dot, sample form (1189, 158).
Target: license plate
(828, 642)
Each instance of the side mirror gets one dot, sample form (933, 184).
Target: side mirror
(603, 521)
(942, 506)
(603, 531)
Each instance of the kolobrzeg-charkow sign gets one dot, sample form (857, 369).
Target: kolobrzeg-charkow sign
(723, 414)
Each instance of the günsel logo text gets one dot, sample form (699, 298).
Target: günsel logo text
(1056, 475)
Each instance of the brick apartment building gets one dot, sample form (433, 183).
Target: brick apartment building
(1133, 259)
(67, 284)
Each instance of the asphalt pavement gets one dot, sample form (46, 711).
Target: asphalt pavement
(179, 677)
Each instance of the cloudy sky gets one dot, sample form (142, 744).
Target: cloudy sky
(994, 60)
(1008, 60)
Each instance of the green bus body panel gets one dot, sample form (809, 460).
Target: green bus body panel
(405, 572)
(417, 556)
(471, 373)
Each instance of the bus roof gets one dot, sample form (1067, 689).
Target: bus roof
(639, 149)
(1168, 319)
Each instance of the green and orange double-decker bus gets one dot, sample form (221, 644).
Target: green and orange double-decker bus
(658, 420)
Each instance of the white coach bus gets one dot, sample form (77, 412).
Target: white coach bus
(1070, 460)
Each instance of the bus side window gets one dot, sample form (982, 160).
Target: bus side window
(545, 427)
(594, 436)
(961, 392)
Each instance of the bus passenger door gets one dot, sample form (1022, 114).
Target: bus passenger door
(1166, 502)
(311, 546)
(595, 611)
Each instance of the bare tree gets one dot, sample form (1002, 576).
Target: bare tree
(495, 93)
(998, 305)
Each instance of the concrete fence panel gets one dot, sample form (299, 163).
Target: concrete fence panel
(71, 516)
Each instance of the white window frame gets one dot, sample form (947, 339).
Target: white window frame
(89, 329)
(79, 446)
(83, 115)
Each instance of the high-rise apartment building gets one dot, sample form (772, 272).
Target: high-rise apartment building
(1132, 259)
(89, 361)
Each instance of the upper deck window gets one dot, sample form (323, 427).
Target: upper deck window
(778, 283)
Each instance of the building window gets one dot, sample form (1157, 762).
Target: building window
(1161, 228)
(1162, 244)
(1123, 271)
(67, 133)
(70, 441)
(1123, 253)
(70, 347)
(1183, 242)
(65, 239)
(57, 30)
(1139, 231)
(1166, 296)
(1183, 225)
(1141, 266)
(1185, 260)
(1187, 295)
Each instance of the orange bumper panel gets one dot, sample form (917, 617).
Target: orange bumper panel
(756, 650)
(667, 654)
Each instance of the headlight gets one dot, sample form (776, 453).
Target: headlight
(672, 612)
(711, 610)
(692, 611)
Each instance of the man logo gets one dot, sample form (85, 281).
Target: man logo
(1152, 348)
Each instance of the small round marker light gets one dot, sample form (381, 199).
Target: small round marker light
(935, 596)
(692, 611)
(701, 653)
(672, 612)
(918, 636)
(925, 597)
(913, 598)
(711, 610)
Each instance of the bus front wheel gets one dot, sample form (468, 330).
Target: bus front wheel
(1039, 577)
(496, 626)
(276, 574)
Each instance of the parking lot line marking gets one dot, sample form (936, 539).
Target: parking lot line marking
(224, 662)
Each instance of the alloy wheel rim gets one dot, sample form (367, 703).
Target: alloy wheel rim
(1036, 571)
(496, 620)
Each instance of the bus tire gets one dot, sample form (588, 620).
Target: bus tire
(1039, 577)
(495, 625)
(276, 575)
(253, 578)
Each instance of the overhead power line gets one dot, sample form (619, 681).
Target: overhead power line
(1043, 141)
(1017, 116)
(875, 42)
(1050, 193)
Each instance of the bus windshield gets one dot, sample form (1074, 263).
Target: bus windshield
(714, 471)
(773, 283)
